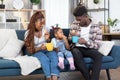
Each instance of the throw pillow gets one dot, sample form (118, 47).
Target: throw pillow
(106, 47)
(12, 48)
(5, 35)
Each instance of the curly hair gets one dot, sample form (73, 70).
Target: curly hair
(29, 41)
(79, 11)
(55, 29)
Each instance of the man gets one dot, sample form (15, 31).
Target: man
(90, 35)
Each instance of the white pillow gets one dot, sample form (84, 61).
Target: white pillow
(106, 47)
(5, 35)
(12, 48)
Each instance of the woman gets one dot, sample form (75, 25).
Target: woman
(35, 38)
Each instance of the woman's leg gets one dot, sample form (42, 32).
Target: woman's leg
(54, 64)
(54, 77)
(49, 79)
(45, 62)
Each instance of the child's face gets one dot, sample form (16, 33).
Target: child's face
(59, 34)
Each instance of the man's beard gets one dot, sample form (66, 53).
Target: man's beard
(84, 24)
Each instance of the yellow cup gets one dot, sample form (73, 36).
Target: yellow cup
(49, 46)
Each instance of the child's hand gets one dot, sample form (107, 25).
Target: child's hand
(64, 37)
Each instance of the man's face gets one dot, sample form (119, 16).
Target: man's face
(82, 20)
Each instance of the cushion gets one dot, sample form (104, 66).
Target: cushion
(5, 62)
(12, 48)
(5, 34)
(105, 59)
(106, 47)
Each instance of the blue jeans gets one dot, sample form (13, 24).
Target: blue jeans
(65, 53)
(49, 62)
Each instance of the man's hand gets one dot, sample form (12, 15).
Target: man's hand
(82, 41)
(73, 32)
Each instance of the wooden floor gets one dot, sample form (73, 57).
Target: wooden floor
(115, 75)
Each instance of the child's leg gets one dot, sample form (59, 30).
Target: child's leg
(61, 60)
(69, 57)
(71, 62)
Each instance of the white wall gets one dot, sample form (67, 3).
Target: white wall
(98, 16)
(57, 12)
(114, 9)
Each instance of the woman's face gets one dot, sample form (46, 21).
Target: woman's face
(39, 24)
(59, 34)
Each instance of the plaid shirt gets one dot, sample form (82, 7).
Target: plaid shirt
(95, 35)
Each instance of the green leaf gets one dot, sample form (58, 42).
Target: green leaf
(35, 1)
(109, 20)
(115, 21)
(96, 1)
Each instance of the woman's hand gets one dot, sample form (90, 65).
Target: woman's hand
(43, 47)
(47, 35)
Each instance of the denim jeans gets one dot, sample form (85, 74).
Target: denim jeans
(49, 62)
(65, 53)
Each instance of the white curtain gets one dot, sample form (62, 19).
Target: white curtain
(57, 12)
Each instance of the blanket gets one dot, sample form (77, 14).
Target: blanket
(27, 63)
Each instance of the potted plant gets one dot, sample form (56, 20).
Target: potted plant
(96, 1)
(112, 24)
(2, 6)
(35, 3)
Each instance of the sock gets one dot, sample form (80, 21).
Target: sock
(71, 62)
(61, 62)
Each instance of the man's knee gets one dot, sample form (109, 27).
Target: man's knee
(75, 50)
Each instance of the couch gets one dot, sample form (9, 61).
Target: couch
(11, 68)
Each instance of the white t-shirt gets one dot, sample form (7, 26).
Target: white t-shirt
(84, 34)
(39, 41)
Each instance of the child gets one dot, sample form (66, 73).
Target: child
(61, 45)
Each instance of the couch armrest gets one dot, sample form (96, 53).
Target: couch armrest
(115, 53)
